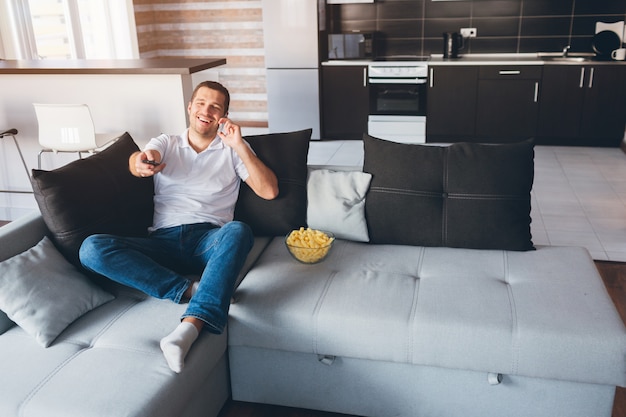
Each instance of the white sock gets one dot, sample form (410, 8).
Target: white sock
(176, 345)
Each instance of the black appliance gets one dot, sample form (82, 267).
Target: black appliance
(452, 44)
(351, 46)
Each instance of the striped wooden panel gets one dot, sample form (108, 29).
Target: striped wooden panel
(227, 28)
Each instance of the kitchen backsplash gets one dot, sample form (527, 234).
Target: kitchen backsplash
(415, 27)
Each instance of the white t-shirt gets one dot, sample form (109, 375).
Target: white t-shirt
(195, 187)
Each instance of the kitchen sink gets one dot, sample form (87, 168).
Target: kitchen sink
(572, 57)
(567, 58)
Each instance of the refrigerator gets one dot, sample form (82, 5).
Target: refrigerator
(290, 34)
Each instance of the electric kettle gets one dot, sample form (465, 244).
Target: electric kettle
(452, 44)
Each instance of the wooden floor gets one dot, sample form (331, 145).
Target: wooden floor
(614, 275)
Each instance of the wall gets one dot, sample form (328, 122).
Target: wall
(414, 27)
(193, 29)
(118, 102)
(233, 29)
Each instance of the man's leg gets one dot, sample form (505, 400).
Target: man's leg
(137, 263)
(223, 251)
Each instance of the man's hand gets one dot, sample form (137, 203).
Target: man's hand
(230, 133)
(145, 164)
(261, 179)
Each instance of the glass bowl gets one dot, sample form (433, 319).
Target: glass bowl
(312, 247)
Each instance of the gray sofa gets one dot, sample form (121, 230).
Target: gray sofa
(419, 310)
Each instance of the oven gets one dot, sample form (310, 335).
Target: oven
(397, 105)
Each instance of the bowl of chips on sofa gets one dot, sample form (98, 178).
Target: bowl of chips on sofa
(309, 246)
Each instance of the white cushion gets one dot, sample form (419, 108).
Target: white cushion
(336, 203)
(43, 293)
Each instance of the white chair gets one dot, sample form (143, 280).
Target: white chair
(69, 128)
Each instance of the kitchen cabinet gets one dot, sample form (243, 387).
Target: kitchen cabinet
(451, 103)
(345, 101)
(507, 103)
(582, 105)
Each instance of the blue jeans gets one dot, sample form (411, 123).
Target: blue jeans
(157, 265)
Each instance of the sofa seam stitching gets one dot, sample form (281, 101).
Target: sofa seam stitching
(444, 194)
(410, 356)
(513, 311)
(316, 310)
(55, 371)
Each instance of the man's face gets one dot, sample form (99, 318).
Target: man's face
(205, 111)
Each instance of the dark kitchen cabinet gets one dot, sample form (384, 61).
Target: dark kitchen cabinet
(451, 103)
(582, 105)
(507, 103)
(345, 101)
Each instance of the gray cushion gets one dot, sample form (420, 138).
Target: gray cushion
(286, 154)
(43, 293)
(94, 195)
(336, 203)
(466, 195)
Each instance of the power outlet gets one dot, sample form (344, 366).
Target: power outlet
(468, 32)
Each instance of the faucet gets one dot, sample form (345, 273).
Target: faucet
(566, 51)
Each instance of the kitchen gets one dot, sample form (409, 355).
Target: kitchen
(383, 62)
(412, 28)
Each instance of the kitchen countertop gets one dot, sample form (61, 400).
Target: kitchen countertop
(118, 66)
(492, 59)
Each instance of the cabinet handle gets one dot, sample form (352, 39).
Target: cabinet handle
(536, 91)
(582, 77)
(510, 72)
(432, 77)
(365, 77)
(398, 81)
(591, 78)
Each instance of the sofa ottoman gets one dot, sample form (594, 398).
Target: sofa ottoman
(395, 330)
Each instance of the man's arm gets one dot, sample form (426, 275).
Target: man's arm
(261, 179)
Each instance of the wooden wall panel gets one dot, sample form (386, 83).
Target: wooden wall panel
(226, 28)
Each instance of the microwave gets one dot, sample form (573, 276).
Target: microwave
(351, 46)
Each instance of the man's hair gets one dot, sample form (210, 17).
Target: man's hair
(214, 85)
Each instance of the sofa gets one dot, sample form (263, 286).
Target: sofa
(433, 300)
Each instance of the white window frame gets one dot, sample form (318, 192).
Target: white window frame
(17, 40)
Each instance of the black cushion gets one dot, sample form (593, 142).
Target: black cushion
(466, 195)
(286, 154)
(97, 194)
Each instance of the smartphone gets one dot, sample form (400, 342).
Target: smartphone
(220, 128)
(151, 162)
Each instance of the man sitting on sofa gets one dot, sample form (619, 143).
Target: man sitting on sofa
(196, 183)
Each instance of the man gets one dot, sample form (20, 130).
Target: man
(196, 183)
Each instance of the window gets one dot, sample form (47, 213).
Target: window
(71, 29)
